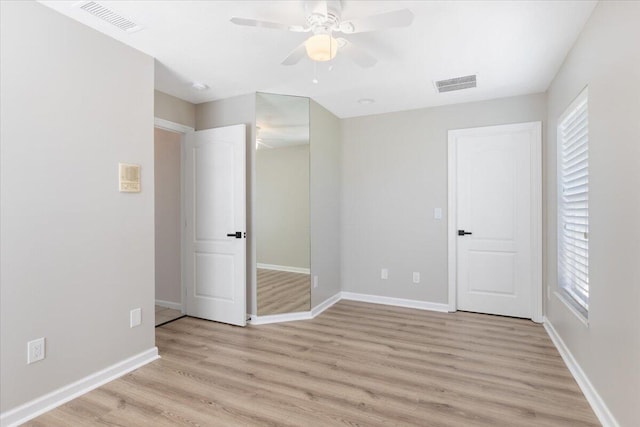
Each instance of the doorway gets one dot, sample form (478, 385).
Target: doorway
(168, 143)
(495, 220)
(200, 223)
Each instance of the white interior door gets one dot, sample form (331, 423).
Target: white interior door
(496, 184)
(215, 210)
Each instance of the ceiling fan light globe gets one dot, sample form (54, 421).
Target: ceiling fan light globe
(321, 47)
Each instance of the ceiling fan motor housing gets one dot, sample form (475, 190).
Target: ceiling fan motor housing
(321, 24)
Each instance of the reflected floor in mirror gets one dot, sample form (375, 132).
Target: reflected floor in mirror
(164, 315)
(283, 292)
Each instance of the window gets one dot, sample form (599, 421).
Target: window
(573, 203)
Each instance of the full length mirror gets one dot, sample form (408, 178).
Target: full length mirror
(282, 204)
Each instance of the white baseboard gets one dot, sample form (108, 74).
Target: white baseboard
(302, 315)
(398, 302)
(279, 318)
(318, 309)
(169, 304)
(597, 404)
(284, 268)
(351, 296)
(49, 401)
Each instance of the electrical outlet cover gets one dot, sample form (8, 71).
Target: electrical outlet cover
(35, 350)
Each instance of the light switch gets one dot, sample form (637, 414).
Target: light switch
(437, 213)
(135, 317)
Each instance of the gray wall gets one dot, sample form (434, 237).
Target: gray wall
(326, 164)
(174, 109)
(282, 206)
(606, 57)
(167, 163)
(394, 174)
(77, 255)
(234, 111)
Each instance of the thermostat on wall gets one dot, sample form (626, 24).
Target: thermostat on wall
(129, 178)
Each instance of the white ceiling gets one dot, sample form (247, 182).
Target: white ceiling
(515, 47)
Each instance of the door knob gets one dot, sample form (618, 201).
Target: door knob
(237, 235)
(462, 232)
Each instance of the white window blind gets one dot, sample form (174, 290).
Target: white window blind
(573, 203)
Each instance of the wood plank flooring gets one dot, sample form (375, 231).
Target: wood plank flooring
(356, 364)
(283, 292)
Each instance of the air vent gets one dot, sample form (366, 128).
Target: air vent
(108, 15)
(456, 83)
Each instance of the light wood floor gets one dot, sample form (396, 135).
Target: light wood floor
(356, 364)
(283, 292)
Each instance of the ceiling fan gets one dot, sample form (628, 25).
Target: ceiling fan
(323, 21)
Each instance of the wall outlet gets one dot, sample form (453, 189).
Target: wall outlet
(315, 282)
(35, 350)
(437, 213)
(135, 317)
(384, 273)
(416, 277)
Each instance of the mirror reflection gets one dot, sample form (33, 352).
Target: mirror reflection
(282, 204)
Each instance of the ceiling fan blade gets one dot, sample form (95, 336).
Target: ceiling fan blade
(397, 18)
(247, 22)
(356, 54)
(296, 55)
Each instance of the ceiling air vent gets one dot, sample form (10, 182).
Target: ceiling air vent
(456, 83)
(108, 15)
